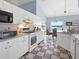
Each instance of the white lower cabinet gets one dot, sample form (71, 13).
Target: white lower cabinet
(77, 50)
(72, 47)
(4, 51)
(14, 48)
(64, 40)
(25, 44)
(40, 36)
(22, 46)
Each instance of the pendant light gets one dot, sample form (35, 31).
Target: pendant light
(65, 11)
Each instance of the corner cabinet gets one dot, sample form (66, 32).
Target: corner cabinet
(14, 48)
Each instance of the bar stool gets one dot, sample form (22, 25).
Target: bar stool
(54, 36)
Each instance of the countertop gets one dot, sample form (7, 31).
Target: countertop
(17, 36)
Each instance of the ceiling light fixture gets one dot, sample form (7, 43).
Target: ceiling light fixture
(65, 7)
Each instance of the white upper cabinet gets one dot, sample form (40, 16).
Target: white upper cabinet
(16, 17)
(72, 7)
(1, 4)
(19, 14)
(7, 7)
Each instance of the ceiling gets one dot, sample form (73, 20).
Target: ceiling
(57, 7)
(19, 2)
(52, 7)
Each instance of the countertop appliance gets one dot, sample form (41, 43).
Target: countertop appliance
(7, 34)
(6, 17)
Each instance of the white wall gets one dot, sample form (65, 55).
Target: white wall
(40, 13)
(64, 19)
(18, 14)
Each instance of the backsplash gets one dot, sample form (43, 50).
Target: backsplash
(7, 26)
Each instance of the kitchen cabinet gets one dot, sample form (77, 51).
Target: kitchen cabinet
(59, 39)
(67, 41)
(72, 46)
(40, 36)
(19, 15)
(16, 17)
(7, 7)
(4, 51)
(77, 50)
(64, 40)
(25, 44)
(1, 4)
(14, 48)
(22, 45)
(8, 50)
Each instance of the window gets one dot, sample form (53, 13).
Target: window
(57, 24)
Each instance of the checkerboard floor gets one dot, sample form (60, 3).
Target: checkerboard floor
(48, 50)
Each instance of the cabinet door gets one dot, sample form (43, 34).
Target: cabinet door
(60, 39)
(40, 36)
(1, 4)
(25, 44)
(19, 47)
(64, 40)
(12, 49)
(77, 50)
(16, 15)
(4, 51)
(67, 41)
(7, 7)
(72, 49)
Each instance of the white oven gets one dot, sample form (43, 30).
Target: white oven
(32, 41)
